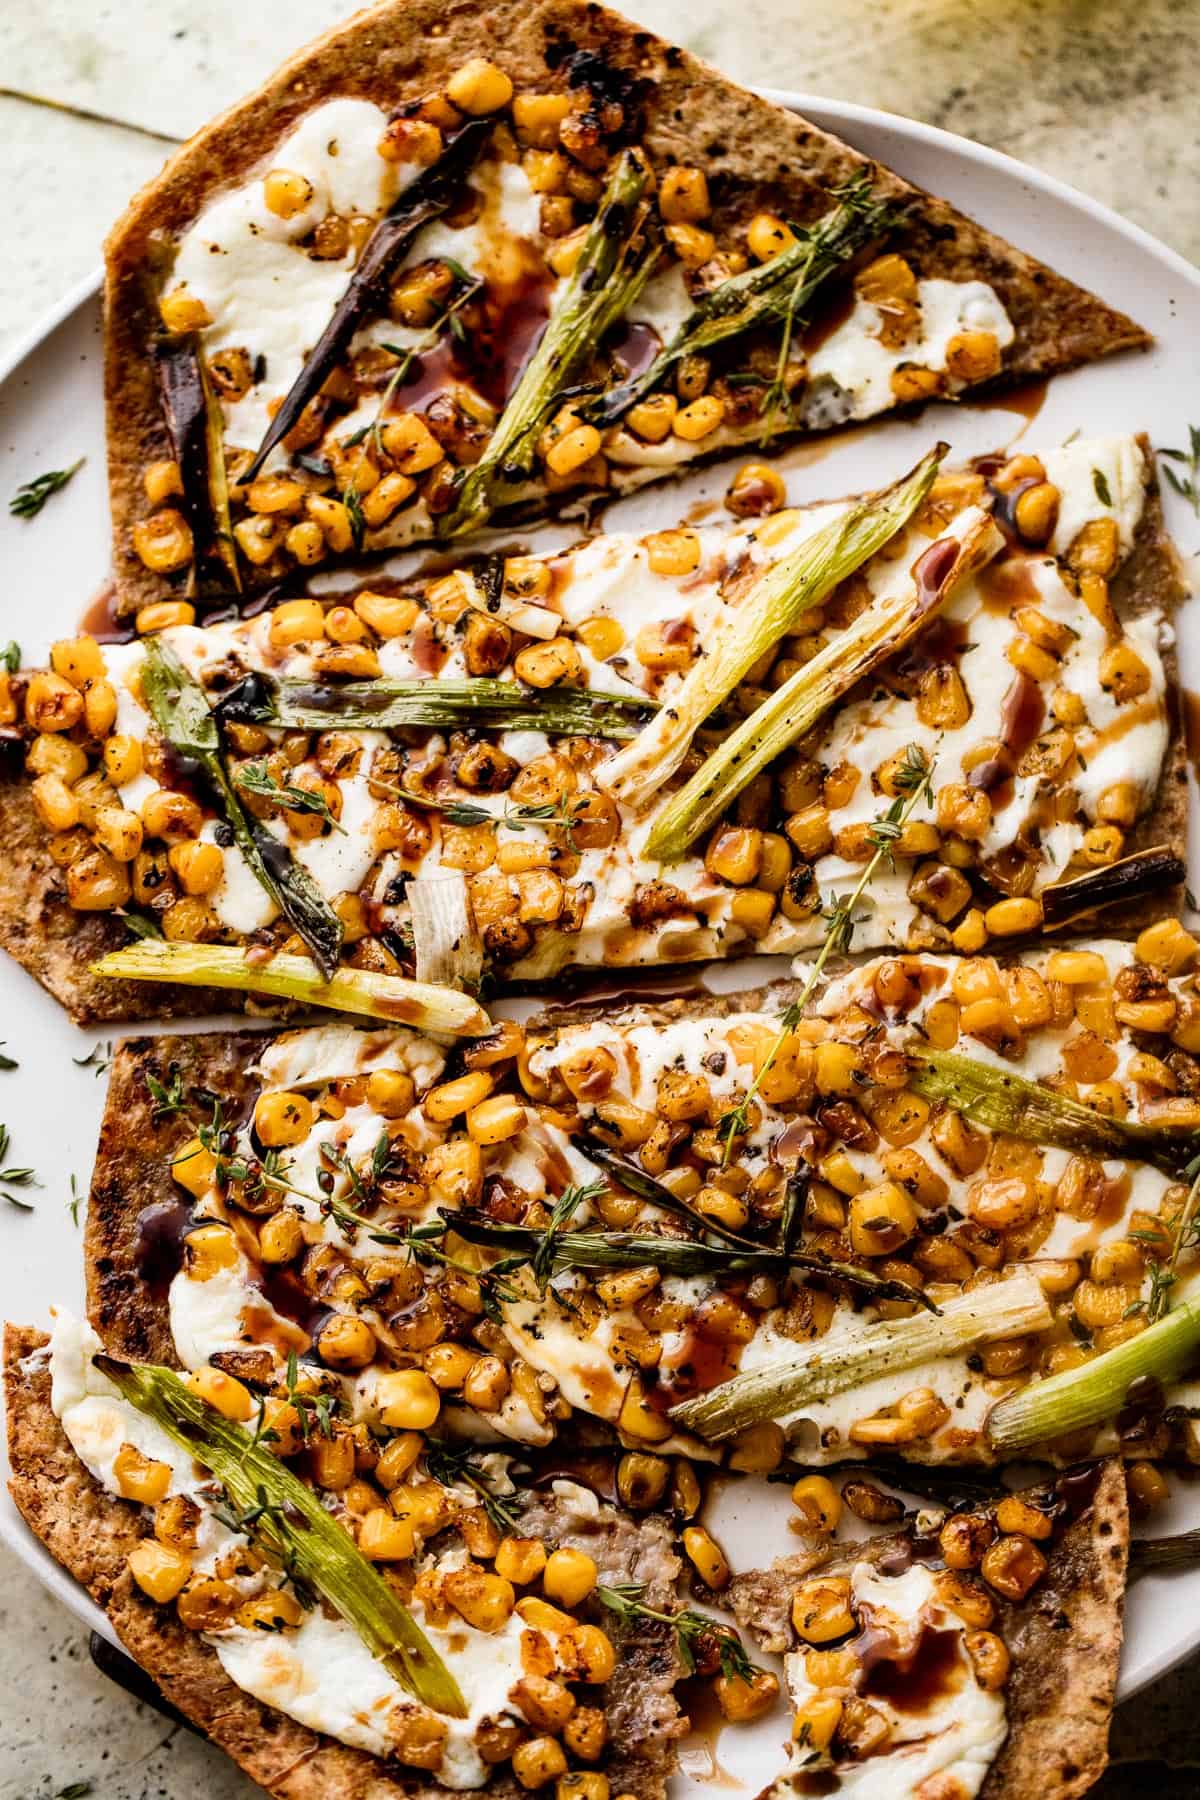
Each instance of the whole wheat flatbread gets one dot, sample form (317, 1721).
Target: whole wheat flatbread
(57, 945)
(1064, 1640)
(90, 1533)
(756, 154)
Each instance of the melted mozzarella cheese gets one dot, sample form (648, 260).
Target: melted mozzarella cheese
(1097, 478)
(857, 360)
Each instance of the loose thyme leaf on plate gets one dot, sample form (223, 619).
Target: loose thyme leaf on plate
(31, 496)
(10, 656)
(1187, 485)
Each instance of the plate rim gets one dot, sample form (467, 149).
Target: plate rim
(843, 115)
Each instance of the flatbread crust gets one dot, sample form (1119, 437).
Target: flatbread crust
(57, 945)
(90, 1533)
(1065, 1644)
(755, 153)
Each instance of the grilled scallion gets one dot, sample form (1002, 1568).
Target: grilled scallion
(764, 296)
(1099, 1389)
(832, 1365)
(382, 705)
(1007, 1102)
(774, 606)
(877, 634)
(293, 1528)
(1133, 877)
(440, 1011)
(617, 259)
(181, 711)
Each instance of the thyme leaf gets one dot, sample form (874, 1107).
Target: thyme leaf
(256, 778)
(690, 1628)
(10, 656)
(450, 1463)
(31, 496)
(1186, 485)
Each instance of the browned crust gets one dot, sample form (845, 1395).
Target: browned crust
(755, 153)
(1064, 1641)
(90, 1534)
(132, 1190)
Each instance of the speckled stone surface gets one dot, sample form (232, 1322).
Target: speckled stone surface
(1097, 92)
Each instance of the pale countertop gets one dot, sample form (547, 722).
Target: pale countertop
(1097, 92)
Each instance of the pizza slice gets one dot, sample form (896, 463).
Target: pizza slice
(941, 1212)
(446, 268)
(947, 709)
(973, 1653)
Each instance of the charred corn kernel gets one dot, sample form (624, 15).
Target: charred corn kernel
(590, 1653)
(139, 1477)
(627, 1288)
(280, 1238)
(305, 542)
(199, 868)
(1118, 804)
(910, 382)
(78, 660)
(397, 1458)
(1008, 917)
(276, 1610)
(537, 1761)
(1102, 845)
(52, 704)
(100, 708)
(448, 1365)
(334, 519)
(97, 883)
(1078, 968)
(407, 1400)
(572, 449)
(275, 493)
(537, 117)
(332, 1461)
(194, 1167)
(1148, 1487)
(1036, 512)
(391, 1093)
(1015, 1514)
(1031, 659)
(163, 542)
(1099, 1304)
(663, 645)
(699, 419)
(1166, 946)
(345, 1342)
(752, 909)
(282, 1119)
(734, 854)
(674, 552)
(387, 615)
(692, 244)
(545, 170)
(768, 236)
(651, 419)
(989, 1659)
(583, 1784)
(418, 1736)
(545, 1703)
(837, 1068)
(756, 488)
(382, 1537)
(1013, 1565)
(120, 833)
(496, 1120)
(541, 1616)
(479, 86)
(454, 1097)
(56, 806)
(285, 193)
(942, 701)
(965, 1595)
(175, 1522)
(161, 480)
(722, 1207)
(637, 1419)
(52, 754)
(161, 1572)
(387, 497)
(601, 637)
(223, 1392)
(741, 1700)
(683, 195)
(520, 1560)
(821, 1610)
(706, 1557)
(1095, 548)
(181, 310)
(923, 1410)
(818, 1502)
(814, 1723)
(570, 1576)
(642, 1480)
(973, 355)
(881, 1219)
(757, 1450)
(550, 664)
(1123, 674)
(296, 622)
(411, 141)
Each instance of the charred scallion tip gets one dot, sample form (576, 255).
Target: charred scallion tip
(424, 200)
(1097, 1390)
(181, 711)
(196, 429)
(1145, 872)
(617, 259)
(772, 608)
(293, 1528)
(1165, 1553)
(877, 634)
(781, 1390)
(442, 1012)
(764, 296)
(382, 705)
(447, 947)
(674, 1255)
(1007, 1102)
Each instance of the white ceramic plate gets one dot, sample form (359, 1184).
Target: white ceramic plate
(51, 413)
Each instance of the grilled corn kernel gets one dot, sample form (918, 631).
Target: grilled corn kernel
(821, 1610)
(382, 1537)
(734, 854)
(881, 1219)
(224, 1392)
(1036, 512)
(181, 310)
(52, 704)
(1008, 917)
(78, 660)
(496, 1120)
(570, 1576)
(683, 195)
(757, 1450)
(818, 1502)
(199, 868)
(286, 193)
(651, 419)
(159, 1571)
(334, 519)
(1013, 1565)
(550, 664)
(537, 118)
(454, 1097)
(282, 1119)
(193, 1167)
(973, 355)
(837, 1068)
(163, 542)
(280, 1238)
(692, 244)
(52, 754)
(767, 236)
(572, 449)
(583, 1784)
(1166, 946)
(1095, 548)
(478, 87)
(706, 1557)
(56, 806)
(296, 622)
(674, 552)
(741, 1700)
(814, 1723)
(407, 1400)
(642, 1480)
(345, 1342)
(699, 419)
(161, 480)
(538, 1761)
(139, 1477)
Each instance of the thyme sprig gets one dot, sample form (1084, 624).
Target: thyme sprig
(691, 1629)
(256, 778)
(8, 1062)
(451, 1463)
(15, 1177)
(1187, 485)
(10, 656)
(407, 355)
(1185, 1235)
(563, 814)
(565, 1207)
(168, 1097)
(913, 781)
(31, 496)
